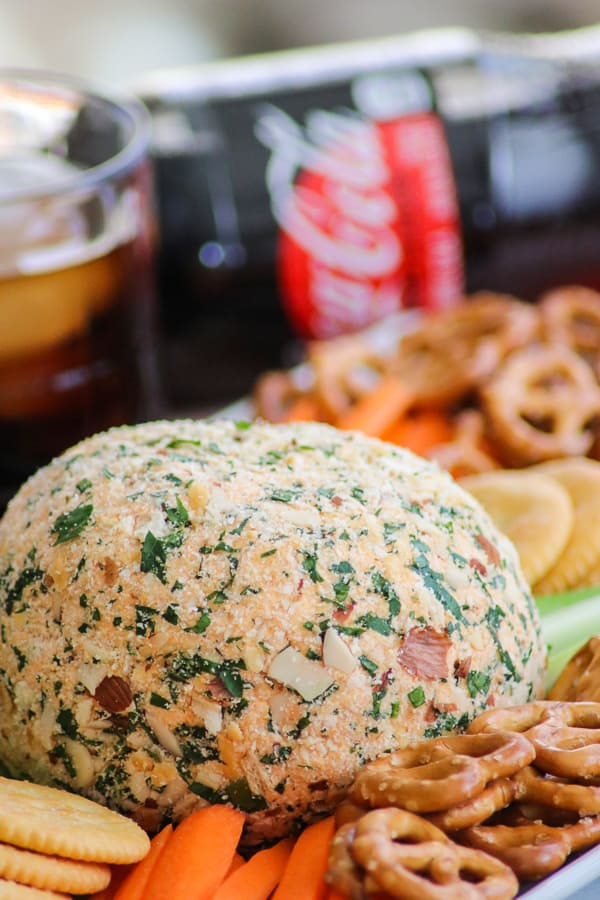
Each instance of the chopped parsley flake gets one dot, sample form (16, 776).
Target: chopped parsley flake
(178, 515)
(201, 624)
(309, 565)
(417, 697)
(154, 557)
(477, 683)
(368, 664)
(70, 525)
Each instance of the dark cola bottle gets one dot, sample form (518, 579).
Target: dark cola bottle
(310, 194)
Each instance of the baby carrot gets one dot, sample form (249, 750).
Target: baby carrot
(236, 862)
(257, 878)
(197, 856)
(303, 877)
(378, 409)
(420, 431)
(304, 409)
(133, 886)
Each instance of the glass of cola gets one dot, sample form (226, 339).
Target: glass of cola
(76, 247)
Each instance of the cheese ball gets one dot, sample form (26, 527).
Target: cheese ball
(202, 612)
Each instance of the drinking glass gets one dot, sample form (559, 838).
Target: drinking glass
(77, 350)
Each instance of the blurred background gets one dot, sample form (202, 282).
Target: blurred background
(117, 40)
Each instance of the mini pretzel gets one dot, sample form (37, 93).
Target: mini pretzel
(566, 751)
(467, 453)
(343, 873)
(406, 857)
(451, 354)
(519, 718)
(455, 351)
(274, 393)
(571, 316)
(533, 850)
(347, 812)
(494, 797)
(541, 405)
(440, 773)
(344, 369)
(580, 678)
(533, 786)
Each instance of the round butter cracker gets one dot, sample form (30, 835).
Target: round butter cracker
(533, 510)
(10, 890)
(581, 478)
(56, 822)
(52, 872)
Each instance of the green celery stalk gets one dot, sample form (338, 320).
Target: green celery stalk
(568, 621)
(556, 602)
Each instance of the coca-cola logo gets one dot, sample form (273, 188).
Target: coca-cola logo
(336, 195)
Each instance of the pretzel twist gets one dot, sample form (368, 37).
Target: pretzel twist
(541, 404)
(398, 854)
(580, 678)
(536, 787)
(534, 850)
(440, 773)
(496, 796)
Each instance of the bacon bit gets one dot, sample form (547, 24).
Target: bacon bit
(47, 580)
(341, 615)
(383, 682)
(424, 652)
(430, 714)
(217, 690)
(490, 551)
(478, 566)
(491, 700)
(300, 585)
(111, 571)
(337, 501)
(113, 694)
(462, 667)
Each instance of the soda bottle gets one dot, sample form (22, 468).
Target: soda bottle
(309, 194)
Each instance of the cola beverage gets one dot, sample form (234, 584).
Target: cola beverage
(76, 283)
(309, 194)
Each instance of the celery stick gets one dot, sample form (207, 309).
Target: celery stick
(572, 624)
(568, 621)
(555, 602)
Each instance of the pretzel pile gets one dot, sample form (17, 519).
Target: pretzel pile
(528, 375)
(466, 815)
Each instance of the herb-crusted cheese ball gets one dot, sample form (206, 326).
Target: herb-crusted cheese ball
(196, 612)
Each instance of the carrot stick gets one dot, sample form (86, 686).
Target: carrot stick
(236, 862)
(303, 878)
(421, 431)
(134, 884)
(335, 895)
(197, 856)
(257, 878)
(378, 409)
(118, 876)
(304, 409)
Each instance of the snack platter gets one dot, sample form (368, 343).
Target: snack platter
(395, 592)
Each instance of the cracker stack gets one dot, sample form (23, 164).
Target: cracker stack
(551, 512)
(55, 844)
